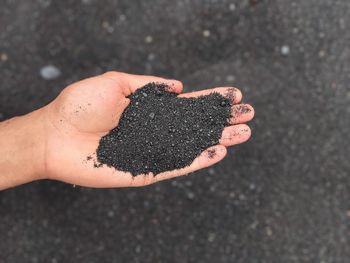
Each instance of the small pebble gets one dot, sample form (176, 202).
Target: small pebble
(232, 7)
(230, 78)
(211, 171)
(232, 194)
(321, 53)
(4, 57)
(348, 213)
(45, 3)
(138, 249)
(206, 33)
(149, 39)
(122, 17)
(151, 56)
(50, 72)
(110, 213)
(190, 195)
(268, 231)
(285, 50)
(211, 237)
(252, 186)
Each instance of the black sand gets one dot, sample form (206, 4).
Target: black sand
(160, 132)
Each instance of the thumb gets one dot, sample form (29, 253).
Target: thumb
(132, 82)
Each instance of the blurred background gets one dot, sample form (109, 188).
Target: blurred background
(282, 197)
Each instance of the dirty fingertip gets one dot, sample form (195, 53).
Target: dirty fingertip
(173, 85)
(213, 155)
(234, 95)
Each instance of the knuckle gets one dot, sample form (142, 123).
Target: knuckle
(112, 74)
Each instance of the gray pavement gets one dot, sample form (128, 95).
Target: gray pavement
(282, 197)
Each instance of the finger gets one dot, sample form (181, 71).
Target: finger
(96, 175)
(241, 113)
(233, 94)
(235, 134)
(134, 82)
(207, 158)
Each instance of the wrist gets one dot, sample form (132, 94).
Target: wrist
(22, 150)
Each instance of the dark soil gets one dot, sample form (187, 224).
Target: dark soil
(160, 132)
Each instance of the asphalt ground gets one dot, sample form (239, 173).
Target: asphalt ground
(281, 197)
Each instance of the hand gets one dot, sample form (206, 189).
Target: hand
(87, 110)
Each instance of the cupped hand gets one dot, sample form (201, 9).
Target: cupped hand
(87, 110)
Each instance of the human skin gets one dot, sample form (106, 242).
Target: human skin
(54, 142)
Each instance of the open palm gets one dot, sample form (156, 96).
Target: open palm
(87, 110)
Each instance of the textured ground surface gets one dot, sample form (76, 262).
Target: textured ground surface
(282, 197)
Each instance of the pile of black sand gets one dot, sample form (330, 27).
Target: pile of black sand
(159, 131)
